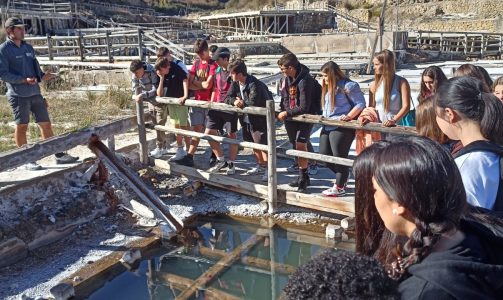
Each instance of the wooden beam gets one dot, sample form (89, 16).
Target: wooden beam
(339, 205)
(220, 266)
(181, 283)
(261, 111)
(30, 153)
(321, 157)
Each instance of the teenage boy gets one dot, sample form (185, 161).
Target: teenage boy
(173, 82)
(145, 81)
(217, 119)
(165, 52)
(201, 81)
(297, 90)
(20, 71)
(247, 90)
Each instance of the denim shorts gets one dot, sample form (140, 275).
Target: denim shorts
(23, 106)
(197, 116)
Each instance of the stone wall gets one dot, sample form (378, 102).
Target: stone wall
(313, 22)
(460, 25)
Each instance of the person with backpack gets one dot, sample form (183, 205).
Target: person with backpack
(389, 93)
(247, 91)
(341, 99)
(201, 82)
(466, 113)
(165, 52)
(300, 94)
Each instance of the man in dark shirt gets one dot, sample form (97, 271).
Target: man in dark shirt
(173, 83)
(20, 70)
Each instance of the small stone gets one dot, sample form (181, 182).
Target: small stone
(52, 219)
(333, 231)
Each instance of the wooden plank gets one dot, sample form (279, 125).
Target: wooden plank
(220, 266)
(339, 205)
(261, 111)
(28, 153)
(321, 157)
(212, 138)
(181, 283)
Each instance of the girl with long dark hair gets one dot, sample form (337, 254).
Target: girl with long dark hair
(419, 195)
(475, 72)
(431, 79)
(341, 99)
(466, 113)
(389, 93)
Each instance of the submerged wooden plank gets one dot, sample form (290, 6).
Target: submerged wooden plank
(181, 283)
(220, 266)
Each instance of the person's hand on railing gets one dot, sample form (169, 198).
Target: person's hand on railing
(389, 123)
(239, 103)
(345, 118)
(363, 121)
(181, 100)
(282, 115)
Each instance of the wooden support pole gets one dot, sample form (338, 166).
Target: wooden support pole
(111, 143)
(108, 45)
(49, 47)
(140, 44)
(272, 182)
(142, 133)
(220, 266)
(272, 254)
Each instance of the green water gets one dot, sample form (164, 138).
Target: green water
(207, 244)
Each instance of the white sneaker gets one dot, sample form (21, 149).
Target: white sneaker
(32, 166)
(265, 177)
(158, 152)
(255, 170)
(231, 170)
(180, 152)
(334, 191)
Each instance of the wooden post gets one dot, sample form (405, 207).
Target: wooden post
(49, 47)
(140, 44)
(109, 51)
(441, 48)
(111, 143)
(81, 48)
(466, 44)
(272, 253)
(271, 158)
(482, 46)
(142, 133)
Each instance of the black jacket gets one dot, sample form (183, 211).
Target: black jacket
(255, 93)
(471, 270)
(303, 93)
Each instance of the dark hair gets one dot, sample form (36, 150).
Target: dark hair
(498, 81)
(485, 74)
(339, 274)
(472, 71)
(421, 176)
(200, 45)
(426, 123)
(289, 60)
(136, 65)
(162, 51)
(372, 237)
(161, 62)
(213, 48)
(466, 96)
(438, 77)
(238, 66)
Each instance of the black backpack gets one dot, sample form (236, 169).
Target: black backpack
(496, 149)
(315, 108)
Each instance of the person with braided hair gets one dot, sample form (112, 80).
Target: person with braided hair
(467, 113)
(448, 254)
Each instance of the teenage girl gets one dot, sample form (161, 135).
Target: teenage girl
(466, 113)
(341, 99)
(389, 93)
(498, 88)
(431, 79)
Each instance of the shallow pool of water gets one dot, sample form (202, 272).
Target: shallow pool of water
(221, 258)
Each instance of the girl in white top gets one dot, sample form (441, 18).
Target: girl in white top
(389, 93)
(466, 113)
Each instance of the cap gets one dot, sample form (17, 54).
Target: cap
(221, 51)
(14, 22)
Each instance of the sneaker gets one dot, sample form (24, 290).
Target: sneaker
(313, 169)
(255, 170)
(230, 169)
(213, 159)
(158, 152)
(180, 153)
(265, 177)
(334, 191)
(64, 158)
(294, 168)
(219, 166)
(32, 166)
(187, 160)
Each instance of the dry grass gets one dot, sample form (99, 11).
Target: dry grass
(70, 113)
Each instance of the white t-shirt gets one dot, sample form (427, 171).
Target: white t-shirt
(480, 171)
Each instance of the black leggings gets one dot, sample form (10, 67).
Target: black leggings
(337, 143)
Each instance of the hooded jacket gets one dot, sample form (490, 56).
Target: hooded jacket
(472, 269)
(296, 89)
(146, 85)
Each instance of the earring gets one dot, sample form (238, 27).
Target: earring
(394, 211)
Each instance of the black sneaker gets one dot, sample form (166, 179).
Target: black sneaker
(219, 166)
(213, 159)
(187, 160)
(64, 158)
